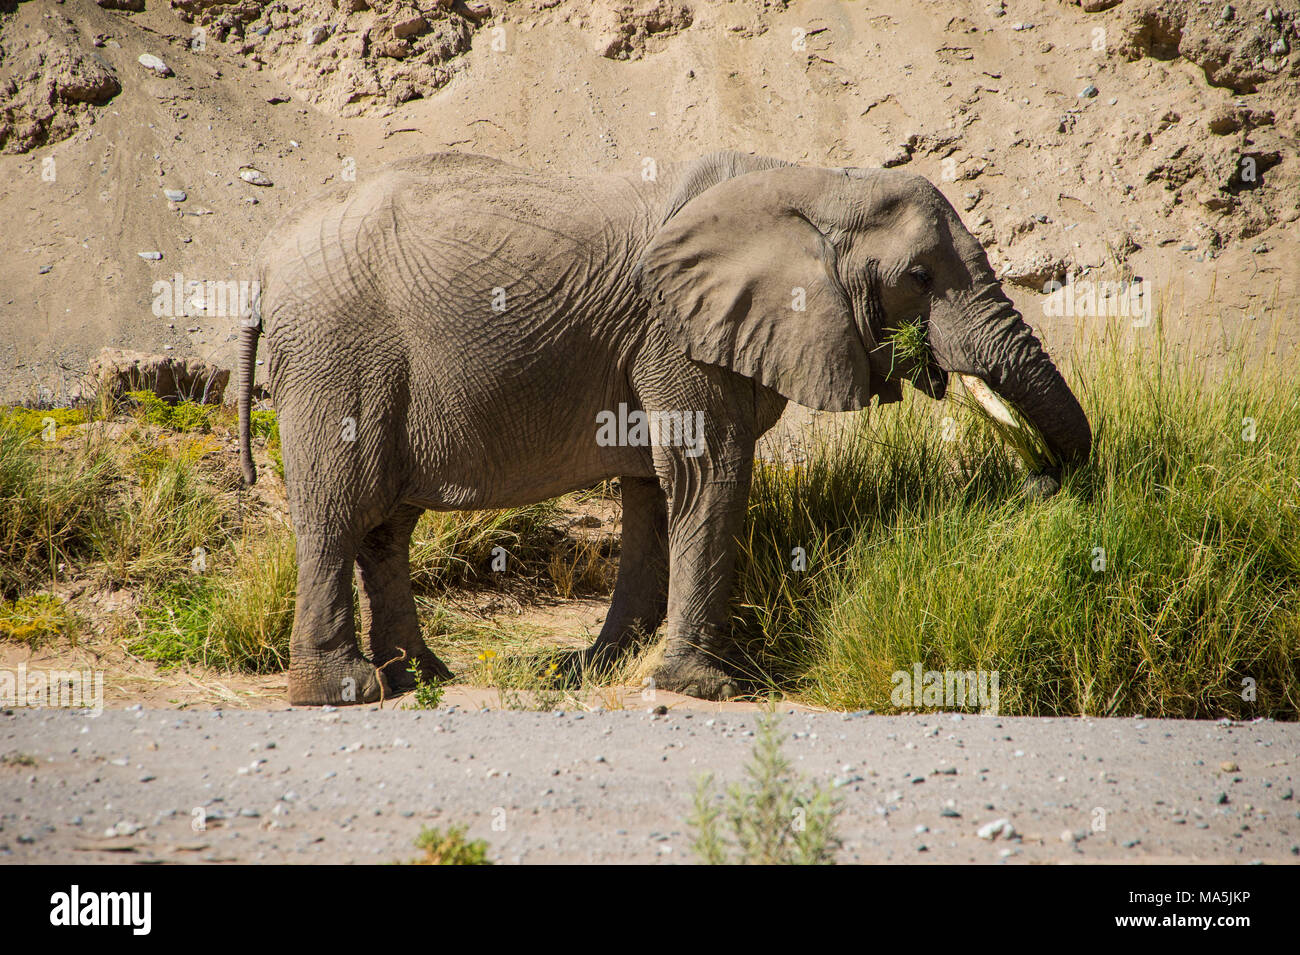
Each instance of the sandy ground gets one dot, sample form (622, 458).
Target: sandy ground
(356, 786)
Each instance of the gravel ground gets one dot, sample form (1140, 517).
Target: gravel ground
(356, 785)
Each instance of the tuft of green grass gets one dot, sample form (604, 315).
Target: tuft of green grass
(1006, 421)
(236, 616)
(461, 547)
(166, 517)
(55, 506)
(35, 618)
(909, 344)
(266, 425)
(186, 416)
(450, 847)
(773, 820)
(1164, 579)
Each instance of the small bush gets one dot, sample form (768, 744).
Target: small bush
(50, 424)
(428, 693)
(450, 848)
(36, 618)
(181, 416)
(770, 822)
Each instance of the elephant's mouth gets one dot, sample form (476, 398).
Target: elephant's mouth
(932, 380)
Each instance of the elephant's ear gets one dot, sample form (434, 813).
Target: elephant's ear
(742, 279)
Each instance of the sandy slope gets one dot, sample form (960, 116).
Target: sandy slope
(1129, 181)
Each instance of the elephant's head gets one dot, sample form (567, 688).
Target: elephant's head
(799, 278)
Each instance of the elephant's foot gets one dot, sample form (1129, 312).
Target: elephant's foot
(335, 681)
(692, 673)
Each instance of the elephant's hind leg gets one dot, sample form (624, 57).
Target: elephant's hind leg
(641, 592)
(325, 665)
(390, 629)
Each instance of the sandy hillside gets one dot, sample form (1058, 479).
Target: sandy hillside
(1154, 140)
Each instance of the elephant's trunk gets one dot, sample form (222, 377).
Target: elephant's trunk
(1016, 366)
(248, 333)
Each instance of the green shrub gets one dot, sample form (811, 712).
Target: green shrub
(450, 848)
(770, 822)
(181, 416)
(265, 425)
(36, 618)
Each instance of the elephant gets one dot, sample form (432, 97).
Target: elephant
(455, 332)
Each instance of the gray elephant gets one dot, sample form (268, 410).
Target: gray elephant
(454, 332)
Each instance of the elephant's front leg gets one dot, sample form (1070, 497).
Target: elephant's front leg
(706, 513)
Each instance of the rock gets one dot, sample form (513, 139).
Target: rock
(131, 6)
(625, 31)
(254, 177)
(1228, 766)
(118, 371)
(409, 24)
(318, 35)
(901, 156)
(150, 256)
(175, 195)
(998, 828)
(151, 62)
(394, 49)
(1088, 92)
(1035, 271)
(1232, 50)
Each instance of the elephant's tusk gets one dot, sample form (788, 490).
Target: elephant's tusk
(978, 389)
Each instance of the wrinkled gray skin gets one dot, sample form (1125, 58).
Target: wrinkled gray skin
(381, 304)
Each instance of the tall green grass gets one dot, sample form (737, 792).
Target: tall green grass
(1164, 579)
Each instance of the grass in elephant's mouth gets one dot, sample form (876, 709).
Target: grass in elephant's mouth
(1163, 580)
(909, 344)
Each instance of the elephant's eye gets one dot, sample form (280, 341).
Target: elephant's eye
(922, 279)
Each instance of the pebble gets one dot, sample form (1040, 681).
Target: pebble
(150, 256)
(1088, 92)
(151, 62)
(254, 177)
(998, 828)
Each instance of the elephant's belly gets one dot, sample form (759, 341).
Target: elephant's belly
(519, 463)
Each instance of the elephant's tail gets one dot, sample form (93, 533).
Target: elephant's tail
(250, 327)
